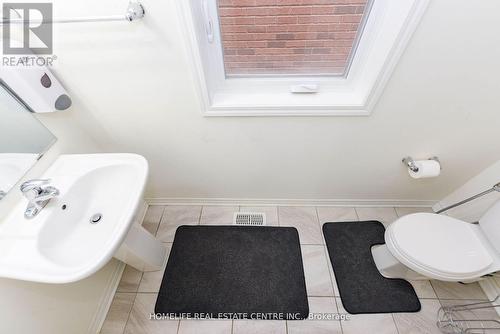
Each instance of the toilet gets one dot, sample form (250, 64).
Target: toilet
(431, 246)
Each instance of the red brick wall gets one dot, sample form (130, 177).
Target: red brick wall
(288, 36)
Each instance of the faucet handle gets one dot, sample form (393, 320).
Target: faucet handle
(33, 184)
(47, 194)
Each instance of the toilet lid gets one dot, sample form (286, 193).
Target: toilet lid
(439, 244)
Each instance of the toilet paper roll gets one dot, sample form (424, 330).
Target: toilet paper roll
(426, 168)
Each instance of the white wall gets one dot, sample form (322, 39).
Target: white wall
(473, 210)
(134, 92)
(29, 308)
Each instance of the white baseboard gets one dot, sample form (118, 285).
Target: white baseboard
(114, 280)
(291, 202)
(106, 299)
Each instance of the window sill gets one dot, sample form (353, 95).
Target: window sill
(287, 104)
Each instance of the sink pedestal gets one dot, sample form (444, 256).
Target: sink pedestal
(142, 250)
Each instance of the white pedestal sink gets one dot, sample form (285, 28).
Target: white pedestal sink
(91, 221)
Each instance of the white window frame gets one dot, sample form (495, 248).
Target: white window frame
(387, 32)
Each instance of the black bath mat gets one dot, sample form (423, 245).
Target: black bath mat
(362, 288)
(239, 272)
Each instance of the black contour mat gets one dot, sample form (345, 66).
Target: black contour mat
(234, 272)
(362, 288)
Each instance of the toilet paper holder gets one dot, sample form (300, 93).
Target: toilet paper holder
(411, 164)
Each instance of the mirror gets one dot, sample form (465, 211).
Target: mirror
(23, 140)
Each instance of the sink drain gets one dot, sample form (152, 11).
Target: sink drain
(96, 218)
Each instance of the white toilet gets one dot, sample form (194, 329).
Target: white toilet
(426, 245)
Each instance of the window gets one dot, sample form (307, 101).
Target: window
(296, 57)
(290, 37)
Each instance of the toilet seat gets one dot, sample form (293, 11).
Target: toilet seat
(439, 246)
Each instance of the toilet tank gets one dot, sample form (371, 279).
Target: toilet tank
(490, 225)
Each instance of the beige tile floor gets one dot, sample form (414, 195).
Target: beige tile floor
(136, 294)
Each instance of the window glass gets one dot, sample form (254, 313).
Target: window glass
(290, 37)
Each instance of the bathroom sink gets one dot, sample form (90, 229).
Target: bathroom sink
(79, 231)
(94, 208)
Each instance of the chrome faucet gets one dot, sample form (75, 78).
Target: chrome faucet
(37, 195)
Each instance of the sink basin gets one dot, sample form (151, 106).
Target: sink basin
(65, 237)
(79, 231)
